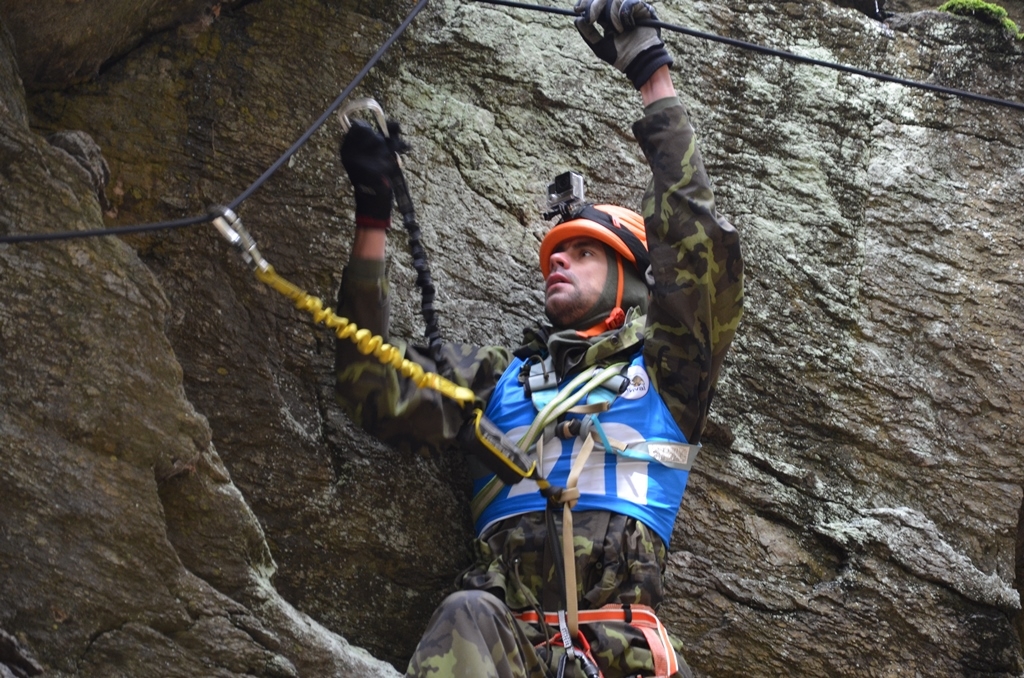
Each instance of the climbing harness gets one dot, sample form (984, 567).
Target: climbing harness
(642, 617)
(573, 410)
(599, 386)
(230, 226)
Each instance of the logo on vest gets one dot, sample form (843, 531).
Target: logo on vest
(638, 384)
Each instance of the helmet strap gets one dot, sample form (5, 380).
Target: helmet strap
(616, 317)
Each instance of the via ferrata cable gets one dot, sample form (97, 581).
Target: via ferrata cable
(204, 218)
(781, 54)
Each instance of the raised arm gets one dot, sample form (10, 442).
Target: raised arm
(376, 396)
(697, 298)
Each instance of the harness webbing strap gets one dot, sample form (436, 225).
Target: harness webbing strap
(590, 408)
(640, 616)
(569, 496)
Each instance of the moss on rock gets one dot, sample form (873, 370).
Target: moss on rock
(986, 11)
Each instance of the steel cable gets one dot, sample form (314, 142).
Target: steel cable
(770, 51)
(782, 54)
(200, 219)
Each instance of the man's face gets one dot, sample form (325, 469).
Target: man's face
(579, 268)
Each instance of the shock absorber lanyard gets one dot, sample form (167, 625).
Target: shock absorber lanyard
(403, 201)
(230, 226)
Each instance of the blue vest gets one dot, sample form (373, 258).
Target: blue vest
(636, 486)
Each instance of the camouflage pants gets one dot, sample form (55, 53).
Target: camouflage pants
(474, 635)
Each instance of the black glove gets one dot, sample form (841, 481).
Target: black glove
(369, 161)
(637, 52)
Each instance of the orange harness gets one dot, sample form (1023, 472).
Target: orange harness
(640, 616)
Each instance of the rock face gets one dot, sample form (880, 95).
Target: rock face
(125, 548)
(176, 468)
(69, 42)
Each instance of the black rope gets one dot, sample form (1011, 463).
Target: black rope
(140, 228)
(783, 55)
(233, 205)
(122, 230)
(419, 255)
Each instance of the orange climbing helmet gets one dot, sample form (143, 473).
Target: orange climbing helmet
(617, 227)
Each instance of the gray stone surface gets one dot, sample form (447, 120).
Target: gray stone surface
(59, 43)
(856, 510)
(125, 549)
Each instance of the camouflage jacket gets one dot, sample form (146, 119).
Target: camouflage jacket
(694, 311)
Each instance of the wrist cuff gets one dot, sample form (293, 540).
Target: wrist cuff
(661, 104)
(641, 68)
(366, 221)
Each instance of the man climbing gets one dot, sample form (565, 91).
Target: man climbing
(610, 392)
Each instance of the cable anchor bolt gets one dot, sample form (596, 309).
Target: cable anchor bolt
(230, 226)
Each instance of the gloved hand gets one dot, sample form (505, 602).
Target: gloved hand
(636, 51)
(369, 161)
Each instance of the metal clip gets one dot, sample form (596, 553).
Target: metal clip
(363, 103)
(230, 226)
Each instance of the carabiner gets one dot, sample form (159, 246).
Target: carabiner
(360, 104)
(230, 226)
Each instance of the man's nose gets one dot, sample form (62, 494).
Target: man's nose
(558, 260)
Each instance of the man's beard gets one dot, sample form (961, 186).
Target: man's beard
(568, 311)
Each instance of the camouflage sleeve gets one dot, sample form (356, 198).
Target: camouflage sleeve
(698, 271)
(381, 400)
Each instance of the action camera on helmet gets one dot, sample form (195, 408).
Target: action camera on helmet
(565, 195)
